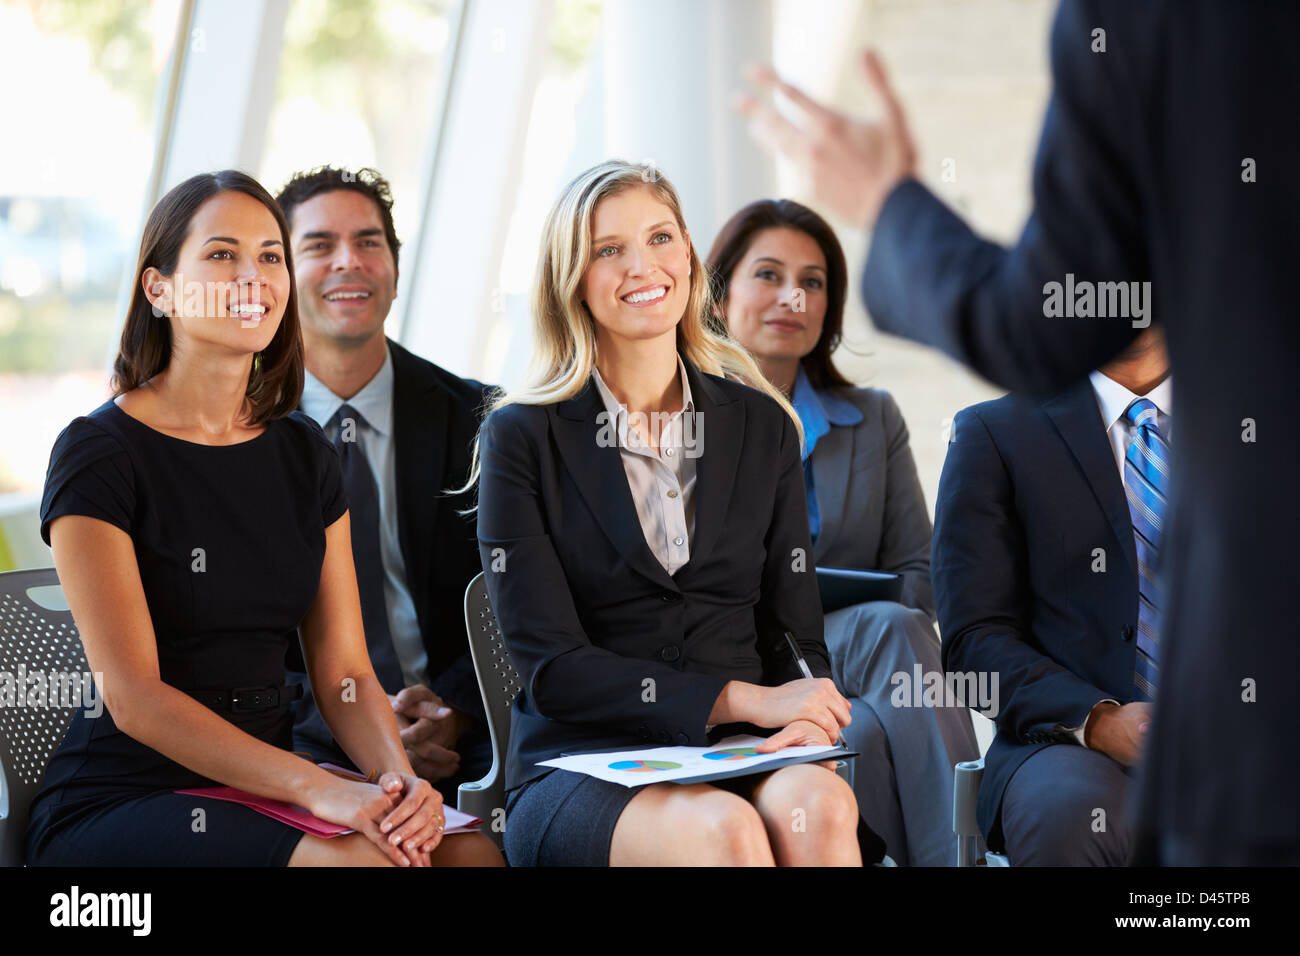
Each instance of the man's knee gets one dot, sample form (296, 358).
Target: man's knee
(1071, 815)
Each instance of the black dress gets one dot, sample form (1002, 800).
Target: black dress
(229, 540)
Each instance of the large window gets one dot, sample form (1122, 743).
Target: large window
(564, 136)
(80, 78)
(359, 86)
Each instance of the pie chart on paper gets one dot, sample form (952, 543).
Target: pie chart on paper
(731, 753)
(644, 766)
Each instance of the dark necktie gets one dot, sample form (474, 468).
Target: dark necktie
(363, 506)
(1146, 483)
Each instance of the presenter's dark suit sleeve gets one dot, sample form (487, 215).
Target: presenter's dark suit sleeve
(567, 677)
(790, 600)
(930, 278)
(982, 583)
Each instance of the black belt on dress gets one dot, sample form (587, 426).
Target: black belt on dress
(246, 699)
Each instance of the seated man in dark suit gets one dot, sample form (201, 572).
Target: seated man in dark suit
(403, 427)
(1047, 533)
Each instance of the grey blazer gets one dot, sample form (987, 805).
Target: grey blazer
(872, 509)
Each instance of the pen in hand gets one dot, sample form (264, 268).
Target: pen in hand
(807, 672)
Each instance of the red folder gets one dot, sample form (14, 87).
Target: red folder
(288, 813)
(295, 816)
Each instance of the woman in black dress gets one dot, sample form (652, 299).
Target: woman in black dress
(198, 522)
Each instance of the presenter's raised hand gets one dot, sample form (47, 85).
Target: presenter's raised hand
(853, 165)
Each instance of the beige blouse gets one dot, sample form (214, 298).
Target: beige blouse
(663, 484)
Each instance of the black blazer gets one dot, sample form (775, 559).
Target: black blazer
(1028, 491)
(612, 651)
(435, 419)
(1142, 174)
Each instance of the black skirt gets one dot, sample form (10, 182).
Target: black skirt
(568, 819)
(564, 819)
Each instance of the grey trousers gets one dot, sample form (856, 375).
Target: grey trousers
(902, 777)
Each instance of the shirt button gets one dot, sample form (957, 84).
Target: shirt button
(669, 653)
(672, 494)
(677, 541)
(668, 452)
(1126, 634)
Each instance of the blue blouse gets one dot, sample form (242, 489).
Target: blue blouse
(818, 410)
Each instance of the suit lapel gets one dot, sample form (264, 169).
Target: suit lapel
(1074, 413)
(831, 460)
(597, 470)
(420, 413)
(602, 481)
(719, 432)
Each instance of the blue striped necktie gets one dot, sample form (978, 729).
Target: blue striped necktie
(1146, 483)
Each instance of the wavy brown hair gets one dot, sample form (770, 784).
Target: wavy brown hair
(733, 242)
(275, 380)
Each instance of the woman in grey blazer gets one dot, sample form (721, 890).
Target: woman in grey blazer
(780, 277)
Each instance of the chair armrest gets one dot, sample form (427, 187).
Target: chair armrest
(966, 777)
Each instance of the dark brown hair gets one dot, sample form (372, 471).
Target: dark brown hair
(324, 179)
(275, 381)
(733, 242)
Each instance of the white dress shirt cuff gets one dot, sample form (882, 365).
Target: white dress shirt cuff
(1080, 731)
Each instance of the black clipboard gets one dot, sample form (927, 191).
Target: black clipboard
(845, 587)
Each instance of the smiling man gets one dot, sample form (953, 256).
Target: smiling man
(403, 428)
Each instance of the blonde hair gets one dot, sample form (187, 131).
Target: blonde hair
(565, 333)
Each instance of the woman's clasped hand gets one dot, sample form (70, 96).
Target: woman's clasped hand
(401, 814)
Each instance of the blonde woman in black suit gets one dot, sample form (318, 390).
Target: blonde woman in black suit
(644, 557)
